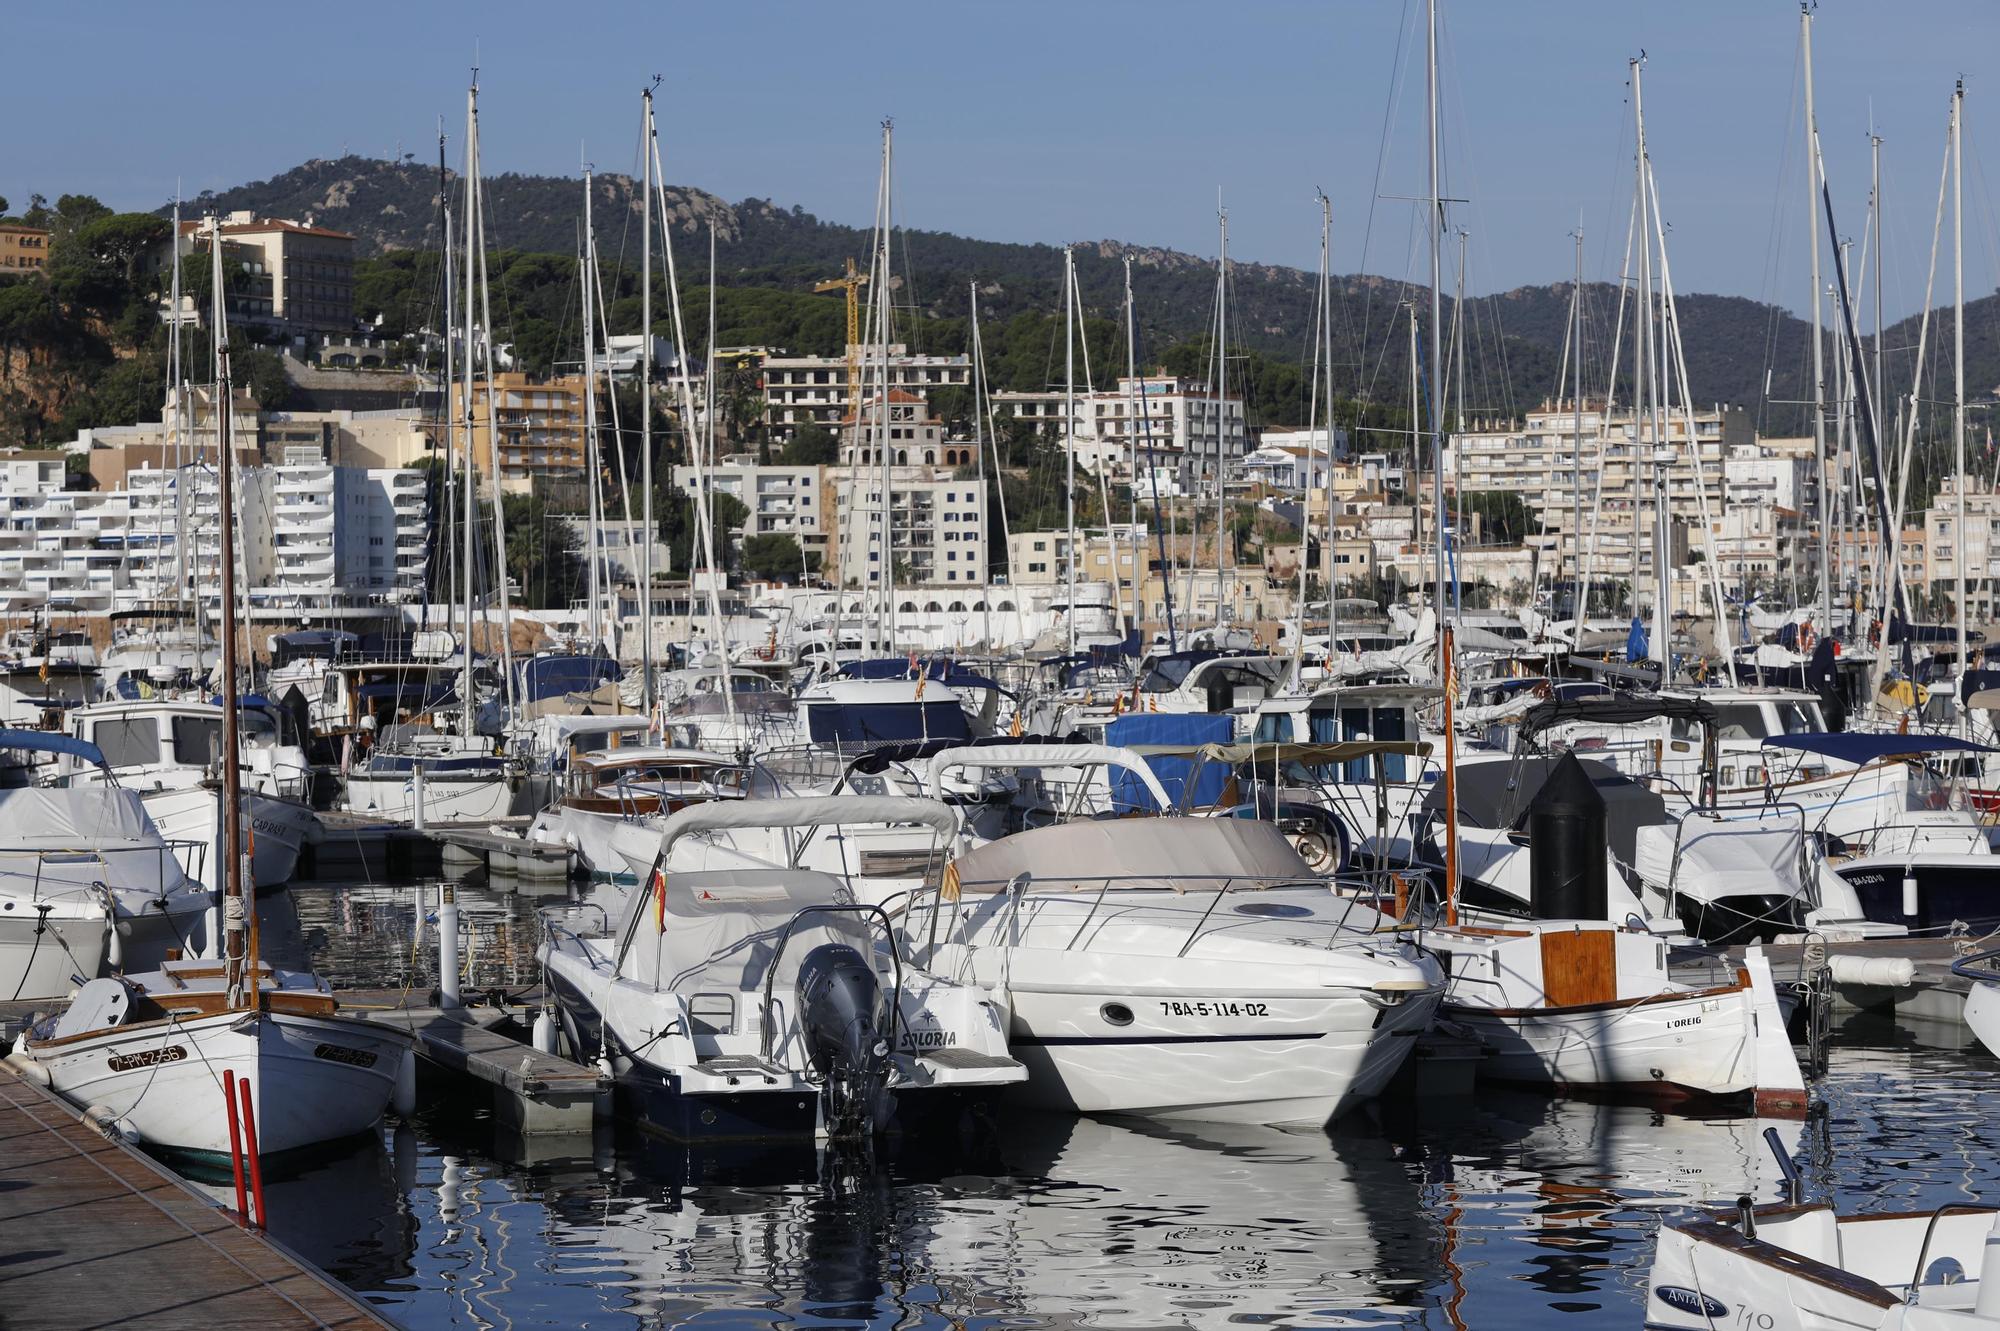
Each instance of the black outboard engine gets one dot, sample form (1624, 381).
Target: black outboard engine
(845, 1020)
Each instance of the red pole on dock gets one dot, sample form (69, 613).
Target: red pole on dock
(235, 1141)
(256, 1162)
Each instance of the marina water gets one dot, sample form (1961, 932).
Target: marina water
(1508, 1210)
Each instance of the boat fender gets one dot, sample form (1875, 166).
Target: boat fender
(29, 1069)
(113, 1128)
(1986, 1303)
(114, 947)
(404, 1098)
(1888, 972)
(545, 1032)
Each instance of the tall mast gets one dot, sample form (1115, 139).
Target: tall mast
(1222, 541)
(1818, 338)
(888, 506)
(716, 627)
(648, 150)
(1959, 548)
(445, 388)
(1069, 434)
(1326, 365)
(1580, 601)
(1312, 418)
(176, 408)
(240, 908)
(590, 439)
(1646, 403)
(468, 490)
(1436, 228)
(979, 453)
(477, 227)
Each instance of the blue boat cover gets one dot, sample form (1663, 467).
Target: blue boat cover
(1184, 729)
(559, 676)
(50, 741)
(942, 669)
(1854, 747)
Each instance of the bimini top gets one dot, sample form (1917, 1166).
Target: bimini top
(1200, 853)
(1856, 748)
(1616, 709)
(50, 741)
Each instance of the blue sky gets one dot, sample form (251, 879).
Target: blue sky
(1038, 121)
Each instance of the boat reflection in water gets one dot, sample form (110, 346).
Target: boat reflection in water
(1565, 1195)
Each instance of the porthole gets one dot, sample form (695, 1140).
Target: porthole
(1116, 1014)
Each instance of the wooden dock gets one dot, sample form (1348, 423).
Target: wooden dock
(533, 1093)
(359, 843)
(95, 1234)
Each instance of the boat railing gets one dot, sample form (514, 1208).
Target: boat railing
(552, 926)
(876, 913)
(1725, 817)
(1215, 887)
(1978, 967)
(1930, 1228)
(187, 856)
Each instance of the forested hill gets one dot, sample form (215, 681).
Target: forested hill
(1514, 339)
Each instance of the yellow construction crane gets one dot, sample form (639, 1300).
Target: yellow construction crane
(852, 285)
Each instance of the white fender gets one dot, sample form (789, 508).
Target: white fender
(404, 1098)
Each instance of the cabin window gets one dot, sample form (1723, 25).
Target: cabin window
(1742, 721)
(197, 739)
(128, 741)
(1273, 728)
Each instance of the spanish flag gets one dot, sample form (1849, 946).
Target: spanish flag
(1015, 729)
(948, 890)
(658, 889)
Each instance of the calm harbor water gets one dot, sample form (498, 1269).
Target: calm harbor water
(1509, 1211)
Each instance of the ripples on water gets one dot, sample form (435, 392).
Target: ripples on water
(1499, 1213)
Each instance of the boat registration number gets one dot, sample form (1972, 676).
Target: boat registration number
(150, 1058)
(1179, 1007)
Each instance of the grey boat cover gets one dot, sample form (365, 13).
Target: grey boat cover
(1191, 854)
(1496, 795)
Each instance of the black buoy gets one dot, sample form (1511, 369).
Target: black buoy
(1566, 848)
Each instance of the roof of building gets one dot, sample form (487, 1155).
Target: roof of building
(284, 224)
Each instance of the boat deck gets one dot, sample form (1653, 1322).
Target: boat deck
(95, 1234)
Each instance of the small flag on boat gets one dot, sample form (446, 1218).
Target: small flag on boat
(948, 890)
(659, 889)
(1015, 730)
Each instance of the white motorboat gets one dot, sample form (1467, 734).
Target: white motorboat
(147, 1053)
(1179, 968)
(763, 1000)
(86, 882)
(615, 803)
(460, 779)
(169, 752)
(1805, 1268)
(1585, 1004)
(1982, 997)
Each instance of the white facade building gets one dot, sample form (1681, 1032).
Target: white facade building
(1163, 418)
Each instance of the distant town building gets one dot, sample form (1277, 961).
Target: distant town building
(1159, 419)
(540, 427)
(799, 389)
(296, 275)
(23, 247)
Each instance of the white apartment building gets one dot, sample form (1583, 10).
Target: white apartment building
(798, 389)
(781, 500)
(1978, 545)
(1164, 419)
(1601, 481)
(938, 526)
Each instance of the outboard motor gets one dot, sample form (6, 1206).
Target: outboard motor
(844, 1018)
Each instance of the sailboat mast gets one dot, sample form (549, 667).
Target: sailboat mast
(1312, 418)
(1326, 365)
(466, 525)
(477, 228)
(1222, 541)
(1436, 229)
(445, 387)
(888, 506)
(1580, 602)
(648, 149)
(1642, 356)
(238, 909)
(1069, 435)
(1818, 338)
(590, 438)
(1959, 545)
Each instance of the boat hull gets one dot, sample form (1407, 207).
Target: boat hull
(1666, 1049)
(312, 1079)
(1949, 888)
(37, 961)
(1299, 1060)
(191, 818)
(449, 797)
